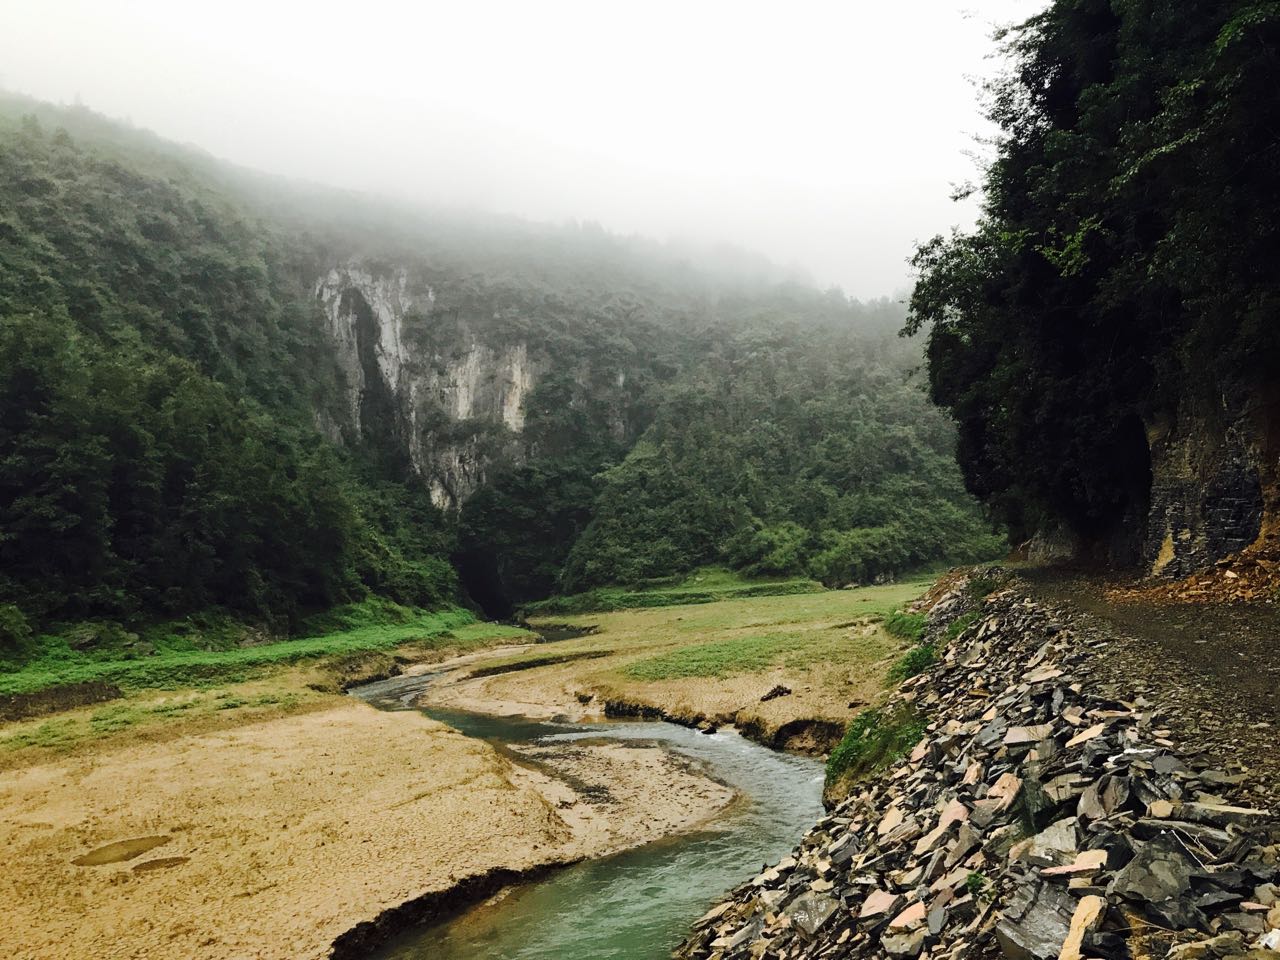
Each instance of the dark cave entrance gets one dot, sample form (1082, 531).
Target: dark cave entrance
(482, 579)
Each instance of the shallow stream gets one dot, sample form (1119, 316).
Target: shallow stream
(635, 905)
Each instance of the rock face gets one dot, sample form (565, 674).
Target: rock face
(1209, 474)
(1204, 484)
(447, 392)
(1043, 817)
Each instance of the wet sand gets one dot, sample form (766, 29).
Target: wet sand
(273, 838)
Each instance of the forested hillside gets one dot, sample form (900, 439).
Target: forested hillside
(794, 450)
(183, 429)
(1106, 337)
(159, 362)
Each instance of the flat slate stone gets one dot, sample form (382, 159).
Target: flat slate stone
(1026, 736)
(878, 902)
(1036, 924)
(1085, 920)
(903, 944)
(809, 911)
(1158, 871)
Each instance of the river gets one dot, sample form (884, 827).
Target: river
(635, 905)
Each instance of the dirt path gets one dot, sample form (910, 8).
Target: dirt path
(275, 837)
(1217, 665)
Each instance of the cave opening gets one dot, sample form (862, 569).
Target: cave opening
(482, 579)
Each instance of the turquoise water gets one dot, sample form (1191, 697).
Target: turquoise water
(635, 905)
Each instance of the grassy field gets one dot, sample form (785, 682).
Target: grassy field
(715, 660)
(191, 658)
(736, 634)
(719, 658)
(179, 678)
(707, 585)
(155, 713)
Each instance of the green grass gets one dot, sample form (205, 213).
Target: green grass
(208, 671)
(63, 731)
(959, 625)
(873, 741)
(707, 585)
(914, 662)
(58, 732)
(144, 710)
(978, 885)
(821, 638)
(923, 655)
(176, 659)
(817, 622)
(905, 626)
(719, 658)
(909, 627)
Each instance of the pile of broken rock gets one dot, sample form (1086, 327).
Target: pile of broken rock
(1042, 817)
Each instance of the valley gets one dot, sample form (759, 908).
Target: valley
(428, 533)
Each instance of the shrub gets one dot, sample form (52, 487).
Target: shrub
(906, 626)
(872, 741)
(915, 661)
(14, 629)
(978, 885)
(959, 625)
(982, 585)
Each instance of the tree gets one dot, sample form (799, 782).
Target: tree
(1117, 272)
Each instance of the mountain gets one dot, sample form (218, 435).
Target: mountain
(220, 390)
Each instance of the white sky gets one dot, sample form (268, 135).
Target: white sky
(827, 134)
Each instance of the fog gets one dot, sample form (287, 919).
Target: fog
(828, 135)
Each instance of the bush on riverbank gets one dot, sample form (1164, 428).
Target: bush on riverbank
(905, 626)
(873, 740)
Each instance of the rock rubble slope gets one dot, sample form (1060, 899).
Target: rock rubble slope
(1042, 817)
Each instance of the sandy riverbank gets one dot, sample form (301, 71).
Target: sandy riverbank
(280, 835)
(299, 814)
(787, 671)
(812, 713)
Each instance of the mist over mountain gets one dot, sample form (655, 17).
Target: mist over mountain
(831, 139)
(228, 390)
(478, 480)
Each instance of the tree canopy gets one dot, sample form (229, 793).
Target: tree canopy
(1124, 263)
(796, 449)
(160, 359)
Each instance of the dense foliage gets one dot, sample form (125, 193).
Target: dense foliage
(164, 370)
(158, 359)
(1124, 265)
(795, 449)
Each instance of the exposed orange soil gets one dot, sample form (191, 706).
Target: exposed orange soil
(1250, 576)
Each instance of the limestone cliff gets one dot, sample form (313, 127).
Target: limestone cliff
(445, 384)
